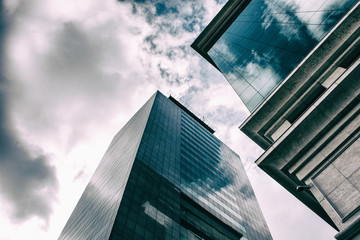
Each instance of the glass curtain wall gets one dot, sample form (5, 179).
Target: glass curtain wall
(269, 39)
(186, 184)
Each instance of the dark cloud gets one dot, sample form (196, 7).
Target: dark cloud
(190, 22)
(71, 85)
(75, 52)
(27, 180)
(163, 72)
(80, 78)
(149, 40)
(162, 9)
(177, 52)
(152, 8)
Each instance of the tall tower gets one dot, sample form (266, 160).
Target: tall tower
(295, 65)
(166, 176)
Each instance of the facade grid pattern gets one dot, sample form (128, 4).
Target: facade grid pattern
(184, 184)
(269, 39)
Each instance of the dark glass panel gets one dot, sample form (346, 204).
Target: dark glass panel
(282, 31)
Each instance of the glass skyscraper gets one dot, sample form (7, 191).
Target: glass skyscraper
(166, 176)
(261, 42)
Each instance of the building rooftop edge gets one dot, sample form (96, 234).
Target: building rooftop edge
(202, 123)
(286, 86)
(217, 27)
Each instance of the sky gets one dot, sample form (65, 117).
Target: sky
(72, 73)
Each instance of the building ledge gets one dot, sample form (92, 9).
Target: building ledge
(192, 115)
(350, 232)
(320, 133)
(308, 74)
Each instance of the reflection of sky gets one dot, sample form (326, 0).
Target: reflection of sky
(219, 184)
(100, 199)
(202, 179)
(234, 221)
(157, 215)
(269, 39)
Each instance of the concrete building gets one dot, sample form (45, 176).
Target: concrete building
(166, 176)
(295, 65)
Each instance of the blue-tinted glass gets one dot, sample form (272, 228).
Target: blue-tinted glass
(275, 36)
(96, 210)
(181, 183)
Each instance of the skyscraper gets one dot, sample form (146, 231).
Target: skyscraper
(295, 65)
(166, 176)
(257, 44)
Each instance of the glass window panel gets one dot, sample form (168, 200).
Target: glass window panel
(254, 102)
(263, 29)
(268, 87)
(248, 93)
(240, 85)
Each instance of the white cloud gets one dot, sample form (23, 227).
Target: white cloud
(80, 69)
(309, 14)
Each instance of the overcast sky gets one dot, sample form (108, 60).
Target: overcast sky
(72, 73)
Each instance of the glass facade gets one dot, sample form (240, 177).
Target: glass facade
(95, 212)
(184, 184)
(269, 39)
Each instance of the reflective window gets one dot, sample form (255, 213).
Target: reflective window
(170, 179)
(269, 39)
